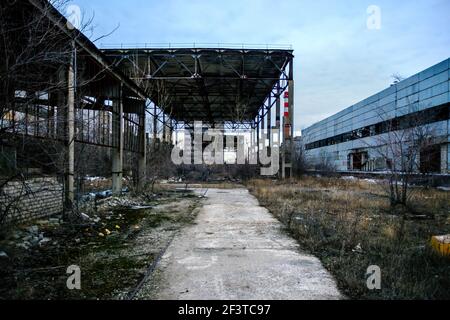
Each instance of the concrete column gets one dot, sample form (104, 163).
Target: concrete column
(164, 129)
(142, 161)
(286, 143)
(291, 121)
(70, 120)
(269, 122)
(170, 132)
(278, 123)
(257, 138)
(263, 123)
(117, 152)
(278, 108)
(288, 128)
(155, 127)
(445, 164)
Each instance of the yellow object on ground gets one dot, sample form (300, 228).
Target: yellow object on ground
(441, 244)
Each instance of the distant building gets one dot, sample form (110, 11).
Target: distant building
(357, 138)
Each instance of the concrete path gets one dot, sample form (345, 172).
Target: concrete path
(237, 250)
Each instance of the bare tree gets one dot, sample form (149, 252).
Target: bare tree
(400, 146)
(35, 54)
(300, 162)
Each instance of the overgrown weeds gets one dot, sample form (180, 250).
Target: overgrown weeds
(350, 225)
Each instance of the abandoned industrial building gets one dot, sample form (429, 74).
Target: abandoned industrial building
(90, 111)
(374, 134)
(154, 171)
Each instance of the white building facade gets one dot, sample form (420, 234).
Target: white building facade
(361, 137)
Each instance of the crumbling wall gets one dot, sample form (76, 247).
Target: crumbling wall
(31, 199)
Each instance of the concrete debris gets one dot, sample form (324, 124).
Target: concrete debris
(33, 229)
(30, 237)
(92, 179)
(85, 217)
(44, 241)
(54, 221)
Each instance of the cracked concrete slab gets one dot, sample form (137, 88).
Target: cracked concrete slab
(237, 250)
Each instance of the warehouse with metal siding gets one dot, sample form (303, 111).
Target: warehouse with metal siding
(356, 131)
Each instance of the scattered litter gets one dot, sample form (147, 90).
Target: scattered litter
(107, 232)
(103, 194)
(3, 255)
(358, 249)
(140, 207)
(441, 244)
(447, 189)
(101, 234)
(44, 241)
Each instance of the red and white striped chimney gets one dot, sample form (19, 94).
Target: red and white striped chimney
(286, 104)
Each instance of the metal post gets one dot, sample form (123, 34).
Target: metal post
(117, 154)
(278, 109)
(263, 123)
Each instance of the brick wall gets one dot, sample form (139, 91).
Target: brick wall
(36, 198)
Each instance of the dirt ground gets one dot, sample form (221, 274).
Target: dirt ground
(114, 253)
(347, 224)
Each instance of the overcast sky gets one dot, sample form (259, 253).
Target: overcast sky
(339, 60)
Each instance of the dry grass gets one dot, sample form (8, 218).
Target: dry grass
(349, 225)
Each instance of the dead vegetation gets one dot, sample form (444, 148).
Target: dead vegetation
(114, 247)
(350, 225)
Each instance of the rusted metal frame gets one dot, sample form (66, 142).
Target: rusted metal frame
(229, 66)
(210, 78)
(181, 64)
(275, 96)
(204, 93)
(282, 69)
(255, 84)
